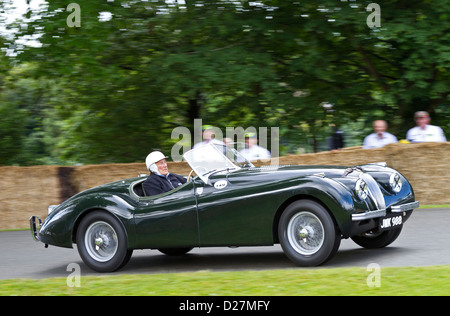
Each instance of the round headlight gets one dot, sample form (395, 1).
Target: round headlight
(395, 182)
(361, 189)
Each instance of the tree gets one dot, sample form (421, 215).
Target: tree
(134, 70)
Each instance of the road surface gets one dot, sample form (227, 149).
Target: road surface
(425, 240)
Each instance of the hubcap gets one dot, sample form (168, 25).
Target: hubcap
(305, 233)
(101, 241)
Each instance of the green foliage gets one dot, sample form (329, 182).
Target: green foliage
(24, 136)
(113, 89)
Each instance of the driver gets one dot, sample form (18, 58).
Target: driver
(160, 179)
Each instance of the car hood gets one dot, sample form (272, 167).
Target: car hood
(278, 173)
(376, 174)
(340, 173)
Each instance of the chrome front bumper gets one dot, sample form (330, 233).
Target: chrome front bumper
(34, 227)
(381, 213)
(405, 207)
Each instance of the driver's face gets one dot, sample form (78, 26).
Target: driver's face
(162, 167)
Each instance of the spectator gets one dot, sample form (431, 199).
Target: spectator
(228, 142)
(208, 136)
(252, 151)
(336, 140)
(424, 132)
(380, 138)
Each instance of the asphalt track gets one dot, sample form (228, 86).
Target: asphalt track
(425, 240)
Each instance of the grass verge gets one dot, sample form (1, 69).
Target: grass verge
(431, 280)
(435, 206)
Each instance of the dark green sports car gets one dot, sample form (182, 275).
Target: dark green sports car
(307, 209)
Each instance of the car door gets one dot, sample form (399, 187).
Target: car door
(229, 214)
(168, 219)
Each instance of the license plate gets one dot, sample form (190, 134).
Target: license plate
(391, 221)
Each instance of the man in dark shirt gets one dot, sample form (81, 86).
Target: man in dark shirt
(160, 179)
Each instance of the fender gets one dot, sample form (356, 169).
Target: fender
(336, 198)
(64, 220)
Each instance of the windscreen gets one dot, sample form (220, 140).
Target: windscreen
(209, 159)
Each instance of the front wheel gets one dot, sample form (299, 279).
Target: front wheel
(102, 242)
(308, 234)
(373, 240)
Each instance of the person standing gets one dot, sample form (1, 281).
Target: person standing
(424, 132)
(380, 137)
(208, 137)
(252, 150)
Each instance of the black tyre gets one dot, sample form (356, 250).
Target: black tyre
(373, 240)
(102, 242)
(175, 251)
(308, 234)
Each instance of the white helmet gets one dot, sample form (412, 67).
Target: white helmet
(152, 158)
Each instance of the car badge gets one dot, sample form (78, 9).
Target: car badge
(220, 184)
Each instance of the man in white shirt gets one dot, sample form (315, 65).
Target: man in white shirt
(252, 151)
(424, 132)
(380, 138)
(208, 137)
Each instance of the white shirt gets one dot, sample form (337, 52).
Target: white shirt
(431, 133)
(374, 141)
(255, 153)
(212, 141)
(200, 156)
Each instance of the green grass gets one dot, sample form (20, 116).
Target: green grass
(435, 206)
(432, 280)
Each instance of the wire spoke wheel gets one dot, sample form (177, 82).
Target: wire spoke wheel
(306, 233)
(101, 241)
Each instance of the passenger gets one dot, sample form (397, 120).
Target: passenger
(160, 179)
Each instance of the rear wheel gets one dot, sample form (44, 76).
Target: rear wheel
(308, 234)
(102, 242)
